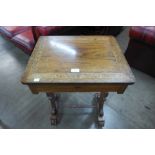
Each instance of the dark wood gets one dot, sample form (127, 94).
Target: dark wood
(53, 98)
(100, 63)
(101, 98)
(74, 87)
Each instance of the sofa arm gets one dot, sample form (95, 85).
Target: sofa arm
(144, 34)
(11, 31)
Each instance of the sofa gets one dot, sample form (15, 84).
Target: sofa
(25, 37)
(140, 52)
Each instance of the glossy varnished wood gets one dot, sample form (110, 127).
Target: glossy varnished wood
(98, 58)
(99, 61)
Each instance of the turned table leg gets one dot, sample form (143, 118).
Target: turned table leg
(101, 98)
(53, 98)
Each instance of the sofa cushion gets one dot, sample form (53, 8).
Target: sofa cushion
(143, 33)
(10, 31)
(25, 40)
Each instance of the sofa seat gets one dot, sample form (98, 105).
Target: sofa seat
(10, 31)
(25, 40)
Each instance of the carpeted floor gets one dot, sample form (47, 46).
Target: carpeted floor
(19, 108)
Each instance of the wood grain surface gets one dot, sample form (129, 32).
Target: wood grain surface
(98, 58)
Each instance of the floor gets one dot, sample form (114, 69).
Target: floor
(19, 108)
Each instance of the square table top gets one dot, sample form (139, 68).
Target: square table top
(77, 59)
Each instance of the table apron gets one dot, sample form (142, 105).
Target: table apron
(36, 88)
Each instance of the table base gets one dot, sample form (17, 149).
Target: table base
(54, 101)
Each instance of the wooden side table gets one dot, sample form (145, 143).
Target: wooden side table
(77, 64)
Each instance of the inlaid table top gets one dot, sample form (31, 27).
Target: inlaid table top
(77, 64)
(77, 59)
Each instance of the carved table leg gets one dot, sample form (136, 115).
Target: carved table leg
(53, 98)
(101, 98)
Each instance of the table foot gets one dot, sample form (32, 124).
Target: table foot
(101, 98)
(101, 121)
(53, 98)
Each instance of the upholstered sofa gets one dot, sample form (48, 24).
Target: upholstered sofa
(25, 37)
(140, 53)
